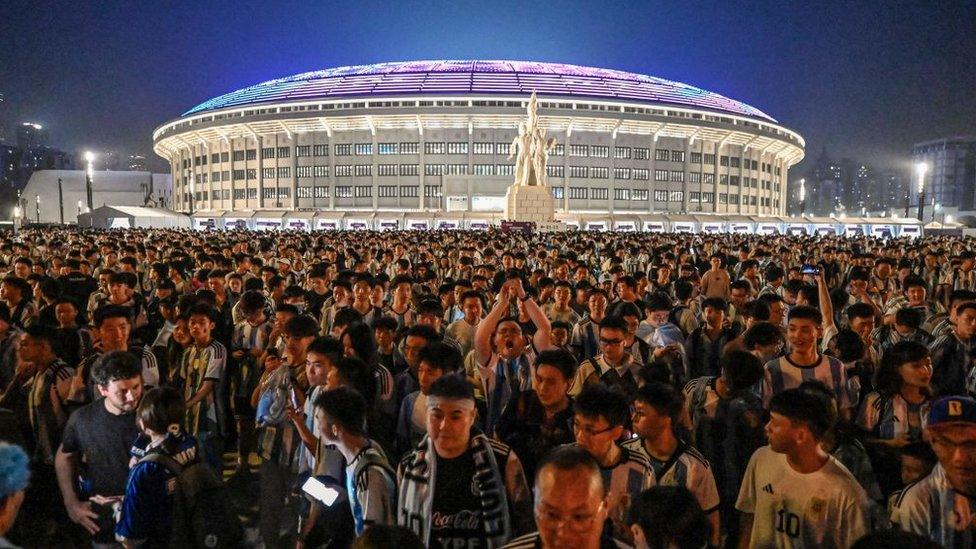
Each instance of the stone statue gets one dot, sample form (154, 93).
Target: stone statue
(531, 149)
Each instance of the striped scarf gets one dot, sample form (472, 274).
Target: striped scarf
(416, 497)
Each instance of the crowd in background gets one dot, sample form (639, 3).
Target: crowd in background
(468, 389)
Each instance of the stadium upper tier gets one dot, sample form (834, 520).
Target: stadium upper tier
(478, 77)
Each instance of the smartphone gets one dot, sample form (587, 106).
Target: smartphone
(810, 270)
(320, 492)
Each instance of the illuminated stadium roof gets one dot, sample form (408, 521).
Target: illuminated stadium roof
(482, 78)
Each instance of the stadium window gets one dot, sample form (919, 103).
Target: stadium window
(343, 170)
(578, 172)
(484, 148)
(660, 175)
(579, 150)
(599, 193)
(387, 191)
(432, 191)
(409, 169)
(734, 199)
(621, 173)
(557, 193)
(694, 177)
(320, 171)
(677, 176)
(455, 169)
(621, 194)
(284, 173)
(269, 192)
(268, 173)
(558, 150)
(734, 180)
(752, 200)
(363, 170)
(239, 194)
(321, 192)
(304, 192)
(504, 169)
(641, 153)
(578, 193)
(251, 154)
(723, 161)
(710, 159)
(343, 191)
(343, 150)
(303, 171)
(238, 156)
(599, 172)
(639, 194)
(434, 148)
(723, 198)
(387, 148)
(694, 196)
(734, 162)
(708, 197)
(364, 149)
(708, 178)
(303, 150)
(214, 158)
(662, 155)
(676, 196)
(215, 177)
(484, 169)
(660, 196)
(457, 148)
(433, 169)
(284, 152)
(252, 194)
(502, 148)
(555, 171)
(386, 169)
(621, 152)
(238, 175)
(641, 174)
(320, 150)
(364, 191)
(696, 158)
(408, 191)
(409, 148)
(677, 156)
(252, 173)
(267, 152)
(600, 151)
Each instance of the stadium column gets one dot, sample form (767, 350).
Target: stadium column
(687, 178)
(177, 184)
(651, 179)
(260, 174)
(233, 180)
(715, 180)
(294, 172)
(701, 173)
(611, 192)
(191, 152)
(374, 157)
(470, 171)
(330, 153)
(566, 173)
(743, 182)
(421, 164)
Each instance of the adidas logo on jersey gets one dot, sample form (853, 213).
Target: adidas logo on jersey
(768, 488)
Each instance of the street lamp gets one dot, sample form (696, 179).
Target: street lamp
(16, 217)
(89, 174)
(920, 169)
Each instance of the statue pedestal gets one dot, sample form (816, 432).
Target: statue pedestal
(530, 203)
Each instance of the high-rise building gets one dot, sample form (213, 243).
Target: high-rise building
(950, 180)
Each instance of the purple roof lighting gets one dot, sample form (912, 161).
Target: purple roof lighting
(479, 78)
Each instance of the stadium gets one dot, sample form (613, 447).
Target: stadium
(425, 144)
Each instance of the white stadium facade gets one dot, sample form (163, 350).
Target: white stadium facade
(425, 144)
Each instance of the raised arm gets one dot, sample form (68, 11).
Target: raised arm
(543, 328)
(826, 305)
(482, 336)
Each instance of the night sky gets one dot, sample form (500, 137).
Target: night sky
(865, 79)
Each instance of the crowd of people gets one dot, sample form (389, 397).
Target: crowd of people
(478, 389)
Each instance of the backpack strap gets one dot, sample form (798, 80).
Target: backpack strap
(164, 460)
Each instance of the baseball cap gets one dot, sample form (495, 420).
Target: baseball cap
(952, 409)
(284, 261)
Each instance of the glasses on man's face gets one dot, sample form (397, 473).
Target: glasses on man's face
(610, 342)
(577, 522)
(582, 429)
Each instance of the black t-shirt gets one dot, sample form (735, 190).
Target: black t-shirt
(104, 440)
(456, 520)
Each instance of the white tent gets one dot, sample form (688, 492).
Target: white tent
(125, 217)
(123, 188)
